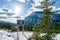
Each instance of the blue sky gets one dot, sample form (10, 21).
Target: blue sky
(26, 7)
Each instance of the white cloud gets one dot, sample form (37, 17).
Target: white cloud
(33, 9)
(23, 1)
(22, 17)
(53, 8)
(6, 11)
(56, 9)
(59, 8)
(1, 10)
(10, 11)
(37, 3)
(12, 20)
(4, 14)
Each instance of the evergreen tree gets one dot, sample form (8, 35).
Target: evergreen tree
(45, 24)
(55, 27)
(36, 33)
(47, 10)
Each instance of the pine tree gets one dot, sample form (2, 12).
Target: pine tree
(55, 28)
(45, 24)
(47, 10)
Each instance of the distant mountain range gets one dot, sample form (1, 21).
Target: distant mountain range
(4, 22)
(36, 17)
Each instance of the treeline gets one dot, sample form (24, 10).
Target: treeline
(13, 28)
(5, 26)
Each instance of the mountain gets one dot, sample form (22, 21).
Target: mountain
(36, 17)
(33, 18)
(4, 22)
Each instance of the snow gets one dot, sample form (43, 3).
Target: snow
(22, 35)
(4, 35)
(57, 37)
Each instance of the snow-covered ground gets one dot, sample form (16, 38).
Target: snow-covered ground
(28, 34)
(22, 35)
(4, 35)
